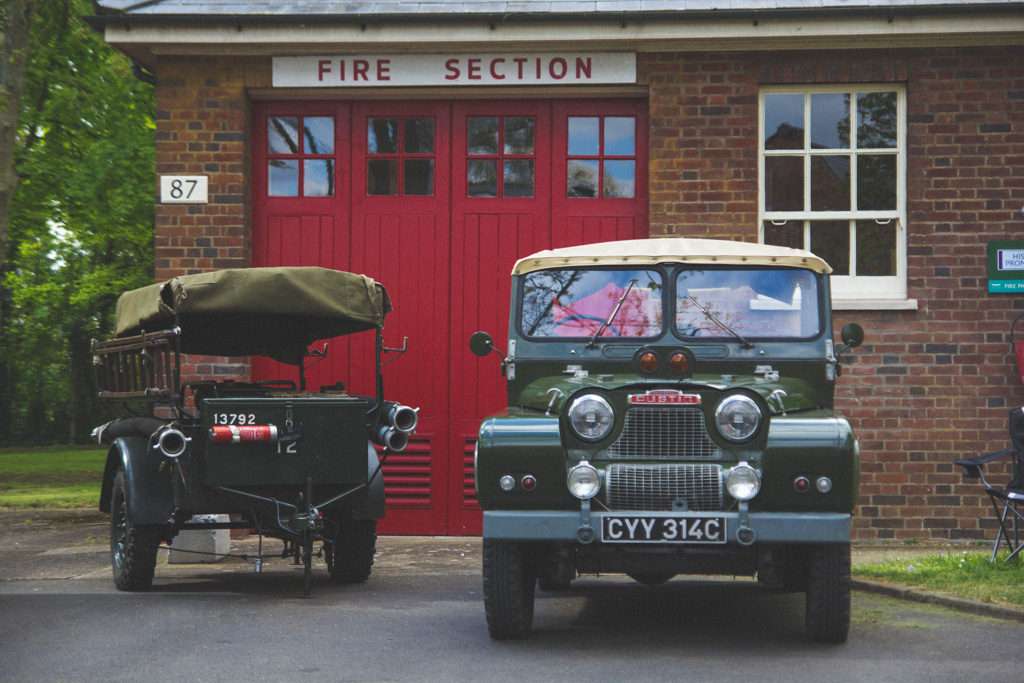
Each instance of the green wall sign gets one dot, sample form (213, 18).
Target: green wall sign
(1006, 267)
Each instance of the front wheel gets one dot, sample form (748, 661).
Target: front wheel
(509, 584)
(132, 548)
(350, 557)
(828, 593)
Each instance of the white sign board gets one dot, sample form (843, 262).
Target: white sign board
(184, 189)
(349, 71)
(1010, 259)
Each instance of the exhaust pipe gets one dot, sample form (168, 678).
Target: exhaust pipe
(172, 442)
(392, 439)
(401, 417)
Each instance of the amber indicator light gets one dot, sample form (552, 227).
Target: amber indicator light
(679, 363)
(648, 361)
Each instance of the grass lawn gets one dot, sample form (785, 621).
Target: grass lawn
(963, 574)
(57, 477)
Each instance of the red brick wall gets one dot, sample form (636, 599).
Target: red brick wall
(929, 385)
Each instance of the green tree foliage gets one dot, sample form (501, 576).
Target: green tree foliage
(81, 221)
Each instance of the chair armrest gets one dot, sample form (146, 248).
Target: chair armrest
(972, 466)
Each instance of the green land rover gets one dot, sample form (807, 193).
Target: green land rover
(670, 412)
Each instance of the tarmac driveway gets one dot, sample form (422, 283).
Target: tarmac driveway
(420, 618)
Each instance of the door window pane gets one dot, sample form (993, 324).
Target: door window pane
(419, 176)
(282, 134)
(483, 135)
(519, 135)
(830, 183)
(283, 177)
(419, 136)
(382, 136)
(784, 121)
(784, 183)
(876, 182)
(582, 181)
(318, 134)
(619, 135)
(382, 176)
(831, 241)
(318, 177)
(876, 120)
(830, 121)
(876, 248)
(518, 180)
(619, 178)
(788, 234)
(482, 177)
(583, 136)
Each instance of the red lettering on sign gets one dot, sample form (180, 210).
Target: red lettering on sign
(383, 69)
(452, 68)
(473, 69)
(323, 67)
(665, 397)
(537, 64)
(494, 72)
(583, 65)
(558, 68)
(360, 67)
(520, 63)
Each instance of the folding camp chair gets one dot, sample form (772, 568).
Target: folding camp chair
(1009, 497)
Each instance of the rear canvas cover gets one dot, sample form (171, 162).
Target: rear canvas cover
(276, 312)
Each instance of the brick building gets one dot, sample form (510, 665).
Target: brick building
(439, 141)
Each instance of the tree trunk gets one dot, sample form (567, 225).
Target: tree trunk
(17, 19)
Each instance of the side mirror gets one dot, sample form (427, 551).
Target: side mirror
(481, 344)
(853, 335)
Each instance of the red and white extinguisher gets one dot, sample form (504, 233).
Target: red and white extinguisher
(1017, 345)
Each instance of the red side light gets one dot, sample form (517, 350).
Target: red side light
(801, 484)
(679, 363)
(528, 482)
(648, 362)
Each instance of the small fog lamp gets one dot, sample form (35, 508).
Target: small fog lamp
(583, 481)
(824, 484)
(507, 483)
(743, 482)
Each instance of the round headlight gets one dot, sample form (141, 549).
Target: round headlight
(743, 482)
(737, 417)
(591, 417)
(583, 481)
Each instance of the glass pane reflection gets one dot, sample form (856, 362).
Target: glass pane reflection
(382, 176)
(382, 136)
(283, 177)
(582, 180)
(482, 135)
(283, 134)
(318, 134)
(482, 178)
(318, 177)
(518, 181)
(419, 176)
(619, 135)
(583, 135)
(619, 178)
(784, 121)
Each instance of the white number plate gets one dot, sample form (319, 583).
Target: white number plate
(674, 529)
(240, 419)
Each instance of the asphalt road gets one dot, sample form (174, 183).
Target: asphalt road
(420, 618)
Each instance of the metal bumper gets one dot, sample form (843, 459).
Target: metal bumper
(743, 528)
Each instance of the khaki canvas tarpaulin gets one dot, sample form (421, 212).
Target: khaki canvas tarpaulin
(276, 312)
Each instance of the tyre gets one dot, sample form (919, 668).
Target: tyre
(828, 593)
(651, 578)
(350, 557)
(509, 584)
(132, 548)
(556, 572)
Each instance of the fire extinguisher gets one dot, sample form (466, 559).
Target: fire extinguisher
(1017, 345)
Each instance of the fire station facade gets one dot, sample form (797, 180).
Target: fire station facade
(431, 148)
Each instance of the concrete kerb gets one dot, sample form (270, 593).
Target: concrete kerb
(961, 604)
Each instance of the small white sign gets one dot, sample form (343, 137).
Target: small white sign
(445, 69)
(184, 189)
(1010, 259)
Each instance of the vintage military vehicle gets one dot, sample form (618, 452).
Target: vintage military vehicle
(290, 462)
(670, 412)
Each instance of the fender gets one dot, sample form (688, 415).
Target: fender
(150, 496)
(371, 505)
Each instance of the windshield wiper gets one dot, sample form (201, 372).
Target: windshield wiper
(706, 310)
(611, 317)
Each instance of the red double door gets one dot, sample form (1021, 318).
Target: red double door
(437, 200)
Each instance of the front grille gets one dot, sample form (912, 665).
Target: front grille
(663, 433)
(695, 487)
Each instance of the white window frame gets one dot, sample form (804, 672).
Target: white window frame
(857, 291)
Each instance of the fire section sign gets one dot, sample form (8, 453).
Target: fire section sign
(1006, 267)
(346, 71)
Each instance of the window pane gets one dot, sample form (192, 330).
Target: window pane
(483, 135)
(318, 177)
(582, 180)
(783, 121)
(583, 135)
(419, 136)
(830, 121)
(876, 119)
(518, 177)
(876, 182)
(419, 176)
(283, 134)
(619, 178)
(619, 135)
(482, 178)
(830, 183)
(518, 135)
(283, 177)
(382, 176)
(318, 132)
(831, 241)
(783, 183)
(382, 136)
(876, 248)
(789, 234)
